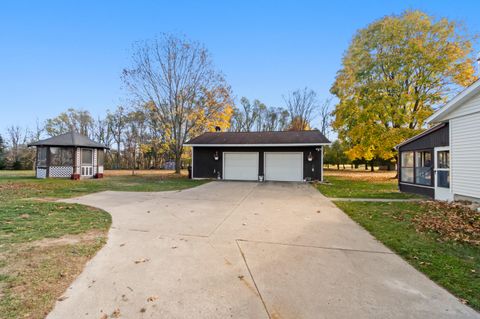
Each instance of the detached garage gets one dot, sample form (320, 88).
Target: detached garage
(292, 156)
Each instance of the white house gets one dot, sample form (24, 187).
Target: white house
(443, 162)
(462, 114)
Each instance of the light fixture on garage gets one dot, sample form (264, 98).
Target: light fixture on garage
(310, 157)
(215, 156)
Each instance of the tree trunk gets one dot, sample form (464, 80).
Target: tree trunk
(338, 166)
(118, 155)
(371, 166)
(178, 162)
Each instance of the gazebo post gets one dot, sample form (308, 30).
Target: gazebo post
(48, 161)
(75, 175)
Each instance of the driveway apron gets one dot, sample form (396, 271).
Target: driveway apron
(245, 250)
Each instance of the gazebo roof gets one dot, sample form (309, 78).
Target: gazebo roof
(72, 139)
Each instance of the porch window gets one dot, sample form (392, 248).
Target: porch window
(42, 156)
(61, 156)
(423, 167)
(406, 170)
(443, 169)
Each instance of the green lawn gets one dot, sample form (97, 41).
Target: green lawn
(454, 265)
(344, 187)
(34, 269)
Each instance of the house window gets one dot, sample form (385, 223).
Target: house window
(61, 156)
(423, 168)
(443, 169)
(42, 156)
(407, 167)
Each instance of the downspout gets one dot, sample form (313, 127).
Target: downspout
(193, 151)
(321, 163)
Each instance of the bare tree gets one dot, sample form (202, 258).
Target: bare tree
(72, 120)
(258, 116)
(177, 76)
(117, 122)
(325, 116)
(17, 141)
(301, 105)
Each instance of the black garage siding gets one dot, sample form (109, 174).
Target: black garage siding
(205, 166)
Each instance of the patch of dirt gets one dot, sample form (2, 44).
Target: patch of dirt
(143, 172)
(16, 186)
(69, 239)
(42, 199)
(455, 221)
(41, 271)
(376, 176)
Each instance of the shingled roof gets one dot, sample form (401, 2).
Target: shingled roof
(276, 138)
(72, 139)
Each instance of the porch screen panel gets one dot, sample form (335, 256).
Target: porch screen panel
(42, 156)
(406, 169)
(100, 157)
(423, 167)
(61, 156)
(87, 157)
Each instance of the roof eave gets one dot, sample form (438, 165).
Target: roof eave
(258, 145)
(440, 114)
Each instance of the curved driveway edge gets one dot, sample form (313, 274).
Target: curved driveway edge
(245, 250)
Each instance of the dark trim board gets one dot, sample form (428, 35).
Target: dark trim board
(417, 189)
(435, 138)
(205, 166)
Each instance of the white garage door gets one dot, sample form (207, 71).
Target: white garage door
(284, 167)
(240, 166)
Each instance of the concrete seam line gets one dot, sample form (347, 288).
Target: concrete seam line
(251, 276)
(316, 247)
(232, 211)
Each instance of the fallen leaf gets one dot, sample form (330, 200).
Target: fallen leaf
(115, 313)
(143, 260)
(152, 298)
(62, 298)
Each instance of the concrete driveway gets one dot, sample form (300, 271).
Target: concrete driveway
(245, 250)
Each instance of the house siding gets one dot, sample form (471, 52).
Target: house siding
(205, 166)
(465, 151)
(470, 106)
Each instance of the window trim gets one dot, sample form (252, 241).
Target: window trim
(402, 167)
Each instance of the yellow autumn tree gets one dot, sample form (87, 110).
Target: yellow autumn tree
(395, 72)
